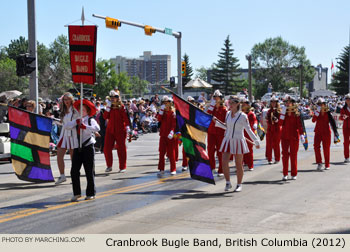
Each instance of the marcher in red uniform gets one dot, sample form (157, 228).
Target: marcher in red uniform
(273, 134)
(167, 119)
(291, 130)
(248, 158)
(216, 134)
(345, 117)
(322, 134)
(117, 130)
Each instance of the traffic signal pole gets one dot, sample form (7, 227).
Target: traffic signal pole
(177, 35)
(33, 78)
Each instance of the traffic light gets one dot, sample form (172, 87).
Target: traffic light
(112, 23)
(23, 62)
(172, 82)
(183, 68)
(149, 30)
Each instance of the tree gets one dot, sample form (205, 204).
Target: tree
(56, 77)
(107, 79)
(137, 86)
(8, 77)
(225, 70)
(189, 71)
(17, 47)
(201, 73)
(277, 62)
(340, 82)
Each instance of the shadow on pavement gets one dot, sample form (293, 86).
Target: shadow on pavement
(142, 165)
(341, 231)
(202, 195)
(6, 173)
(265, 182)
(163, 192)
(313, 170)
(21, 186)
(37, 205)
(338, 163)
(126, 178)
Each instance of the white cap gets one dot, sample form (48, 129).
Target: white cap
(320, 100)
(274, 98)
(217, 93)
(190, 98)
(347, 96)
(165, 98)
(55, 108)
(113, 93)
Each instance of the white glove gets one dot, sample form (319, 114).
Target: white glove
(257, 143)
(255, 126)
(302, 139)
(317, 112)
(171, 134)
(108, 109)
(128, 129)
(162, 109)
(284, 109)
(212, 105)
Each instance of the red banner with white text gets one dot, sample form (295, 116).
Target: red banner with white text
(82, 48)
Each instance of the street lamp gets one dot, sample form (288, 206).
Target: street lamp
(249, 58)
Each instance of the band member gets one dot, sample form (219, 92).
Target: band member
(273, 135)
(248, 158)
(167, 119)
(118, 127)
(234, 142)
(216, 134)
(87, 126)
(291, 130)
(345, 116)
(322, 133)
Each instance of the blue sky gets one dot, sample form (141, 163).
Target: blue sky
(322, 27)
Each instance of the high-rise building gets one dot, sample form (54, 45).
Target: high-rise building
(152, 68)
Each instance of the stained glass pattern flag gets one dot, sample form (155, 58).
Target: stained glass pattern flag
(193, 124)
(30, 139)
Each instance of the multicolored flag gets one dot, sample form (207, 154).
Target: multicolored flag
(30, 139)
(193, 124)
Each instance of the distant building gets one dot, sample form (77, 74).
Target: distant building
(152, 68)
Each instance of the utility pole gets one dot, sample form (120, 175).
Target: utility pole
(33, 77)
(249, 58)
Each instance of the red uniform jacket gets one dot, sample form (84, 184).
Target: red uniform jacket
(219, 113)
(291, 127)
(272, 127)
(322, 124)
(346, 123)
(118, 120)
(252, 120)
(168, 123)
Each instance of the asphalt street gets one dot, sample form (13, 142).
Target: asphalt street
(139, 202)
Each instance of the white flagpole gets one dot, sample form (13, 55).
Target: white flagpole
(81, 91)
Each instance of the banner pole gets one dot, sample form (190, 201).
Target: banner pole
(81, 114)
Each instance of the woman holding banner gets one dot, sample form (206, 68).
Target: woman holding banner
(234, 142)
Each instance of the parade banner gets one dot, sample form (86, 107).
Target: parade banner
(30, 140)
(82, 49)
(193, 124)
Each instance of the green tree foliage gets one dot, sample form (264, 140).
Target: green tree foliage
(17, 47)
(189, 70)
(107, 79)
(277, 62)
(201, 73)
(137, 86)
(340, 82)
(225, 70)
(8, 77)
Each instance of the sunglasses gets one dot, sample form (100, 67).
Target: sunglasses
(233, 102)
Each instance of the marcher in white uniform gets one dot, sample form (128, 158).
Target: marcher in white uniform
(234, 142)
(68, 138)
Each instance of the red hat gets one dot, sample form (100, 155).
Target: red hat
(88, 103)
